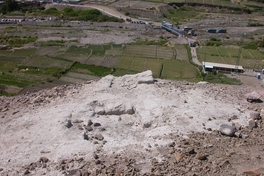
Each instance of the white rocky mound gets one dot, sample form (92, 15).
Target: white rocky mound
(128, 114)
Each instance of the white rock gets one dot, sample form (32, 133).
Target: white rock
(252, 96)
(145, 77)
(131, 81)
(254, 115)
(202, 82)
(118, 108)
(105, 82)
(227, 130)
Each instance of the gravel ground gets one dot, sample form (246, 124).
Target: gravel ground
(131, 125)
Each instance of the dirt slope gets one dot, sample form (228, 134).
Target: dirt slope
(131, 125)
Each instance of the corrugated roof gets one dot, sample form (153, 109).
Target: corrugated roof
(211, 64)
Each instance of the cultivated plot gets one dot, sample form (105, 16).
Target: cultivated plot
(172, 69)
(250, 59)
(95, 60)
(110, 61)
(155, 65)
(125, 62)
(45, 62)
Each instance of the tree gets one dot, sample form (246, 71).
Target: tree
(9, 6)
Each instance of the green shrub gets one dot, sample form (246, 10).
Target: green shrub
(52, 11)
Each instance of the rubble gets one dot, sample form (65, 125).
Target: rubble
(131, 125)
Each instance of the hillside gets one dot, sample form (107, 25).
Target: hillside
(132, 125)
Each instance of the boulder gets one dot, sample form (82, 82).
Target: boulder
(202, 82)
(99, 136)
(252, 96)
(145, 77)
(89, 128)
(146, 125)
(69, 124)
(97, 124)
(227, 130)
(43, 160)
(252, 124)
(89, 123)
(200, 156)
(99, 110)
(85, 136)
(105, 82)
(254, 172)
(254, 115)
(131, 81)
(119, 108)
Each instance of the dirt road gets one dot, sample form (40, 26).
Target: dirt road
(104, 9)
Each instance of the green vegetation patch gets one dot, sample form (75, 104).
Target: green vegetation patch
(155, 65)
(257, 54)
(81, 15)
(23, 52)
(181, 52)
(12, 59)
(141, 51)
(251, 59)
(95, 70)
(77, 50)
(99, 50)
(220, 79)
(122, 72)
(223, 51)
(172, 69)
(125, 62)
(143, 41)
(23, 76)
(138, 64)
(5, 53)
(46, 62)
(52, 43)
(16, 41)
(189, 71)
(114, 52)
(182, 14)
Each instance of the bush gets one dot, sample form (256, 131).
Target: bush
(9, 6)
(52, 11)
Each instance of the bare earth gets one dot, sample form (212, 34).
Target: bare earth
(130, 125)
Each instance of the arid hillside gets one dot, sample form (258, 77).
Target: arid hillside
(133, 125)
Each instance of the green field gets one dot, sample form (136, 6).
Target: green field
(149, 51)
(172, 69)
(249, 59)
(43, 66)
(46, 62)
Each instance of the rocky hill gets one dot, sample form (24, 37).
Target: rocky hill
(133, 125)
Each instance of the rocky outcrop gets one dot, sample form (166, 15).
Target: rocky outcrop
(114, 108)
(253, 97)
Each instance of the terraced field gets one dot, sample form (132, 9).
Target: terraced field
(95, 60)
(46, 62)
(140, 51)
(74, 64)
(110, 61)
(249, 59)
(72, 77)
(149, 51)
